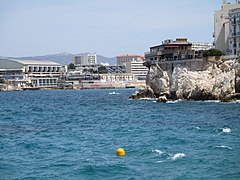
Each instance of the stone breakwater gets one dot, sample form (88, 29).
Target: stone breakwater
(219, 81)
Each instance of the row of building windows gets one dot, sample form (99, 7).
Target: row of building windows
(48, 81)
(42, 69)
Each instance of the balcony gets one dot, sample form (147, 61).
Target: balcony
(152, 54)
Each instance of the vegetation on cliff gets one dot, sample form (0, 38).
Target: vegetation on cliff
(212, 52)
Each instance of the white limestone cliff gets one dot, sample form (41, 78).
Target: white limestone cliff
(216, 82)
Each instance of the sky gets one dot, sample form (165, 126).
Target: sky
(107, 27)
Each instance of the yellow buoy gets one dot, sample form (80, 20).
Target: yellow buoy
(120, 152)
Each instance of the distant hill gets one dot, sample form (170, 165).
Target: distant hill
(104, 59)
(66, 58)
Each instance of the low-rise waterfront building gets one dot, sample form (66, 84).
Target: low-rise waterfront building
(91, 68)
(37, 73)
(117, 77)
(116, 69)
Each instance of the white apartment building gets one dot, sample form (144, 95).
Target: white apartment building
(123, 59)
(134, 65)
(138, 70)
(234, 37)
(85, 59)
(222, 30)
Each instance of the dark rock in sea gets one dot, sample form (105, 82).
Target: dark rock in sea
(146, 92)
(237, 85)
(231, 97)
(200, 95)
(162, 99)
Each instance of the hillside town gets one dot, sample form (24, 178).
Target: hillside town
(130, 70)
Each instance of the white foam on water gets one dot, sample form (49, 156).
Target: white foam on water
(178, 156)
(197, 128)
(146, 99)
(113, 93)
(173, 102)
(213, 101)
(160, 161)
(157, 151)
(226, 130)
(224, 147)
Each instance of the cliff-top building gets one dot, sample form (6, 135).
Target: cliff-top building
(226, 27)
(171, 50)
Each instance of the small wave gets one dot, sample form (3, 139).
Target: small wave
(226, 130)
(224, 147)
(113, 93)
(223, 130)
(173, 102)
(178, 156)
(157, 151)
(147, 99)
(196, 127)
(213, 101)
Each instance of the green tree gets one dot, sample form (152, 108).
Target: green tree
(71, 66)
(102, 70)
(2, 80)
(212, 52)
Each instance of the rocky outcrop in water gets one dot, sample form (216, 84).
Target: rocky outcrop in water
(220, 81)
(146, 92)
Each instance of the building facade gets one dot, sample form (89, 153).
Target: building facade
(138, 70)
(116, 69)
(85, 59)
(116, 77)
(134, 65)
(38, 73)
(234, 37)
(171, 50)
(123, 59)
(225, 27)
(200, 46)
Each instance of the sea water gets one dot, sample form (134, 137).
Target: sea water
(74, 134)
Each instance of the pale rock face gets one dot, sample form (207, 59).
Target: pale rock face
(214, 83)
(158, 80)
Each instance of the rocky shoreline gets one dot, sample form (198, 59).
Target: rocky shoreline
(219, 81)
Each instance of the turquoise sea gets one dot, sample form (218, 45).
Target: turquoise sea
(74, 134)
